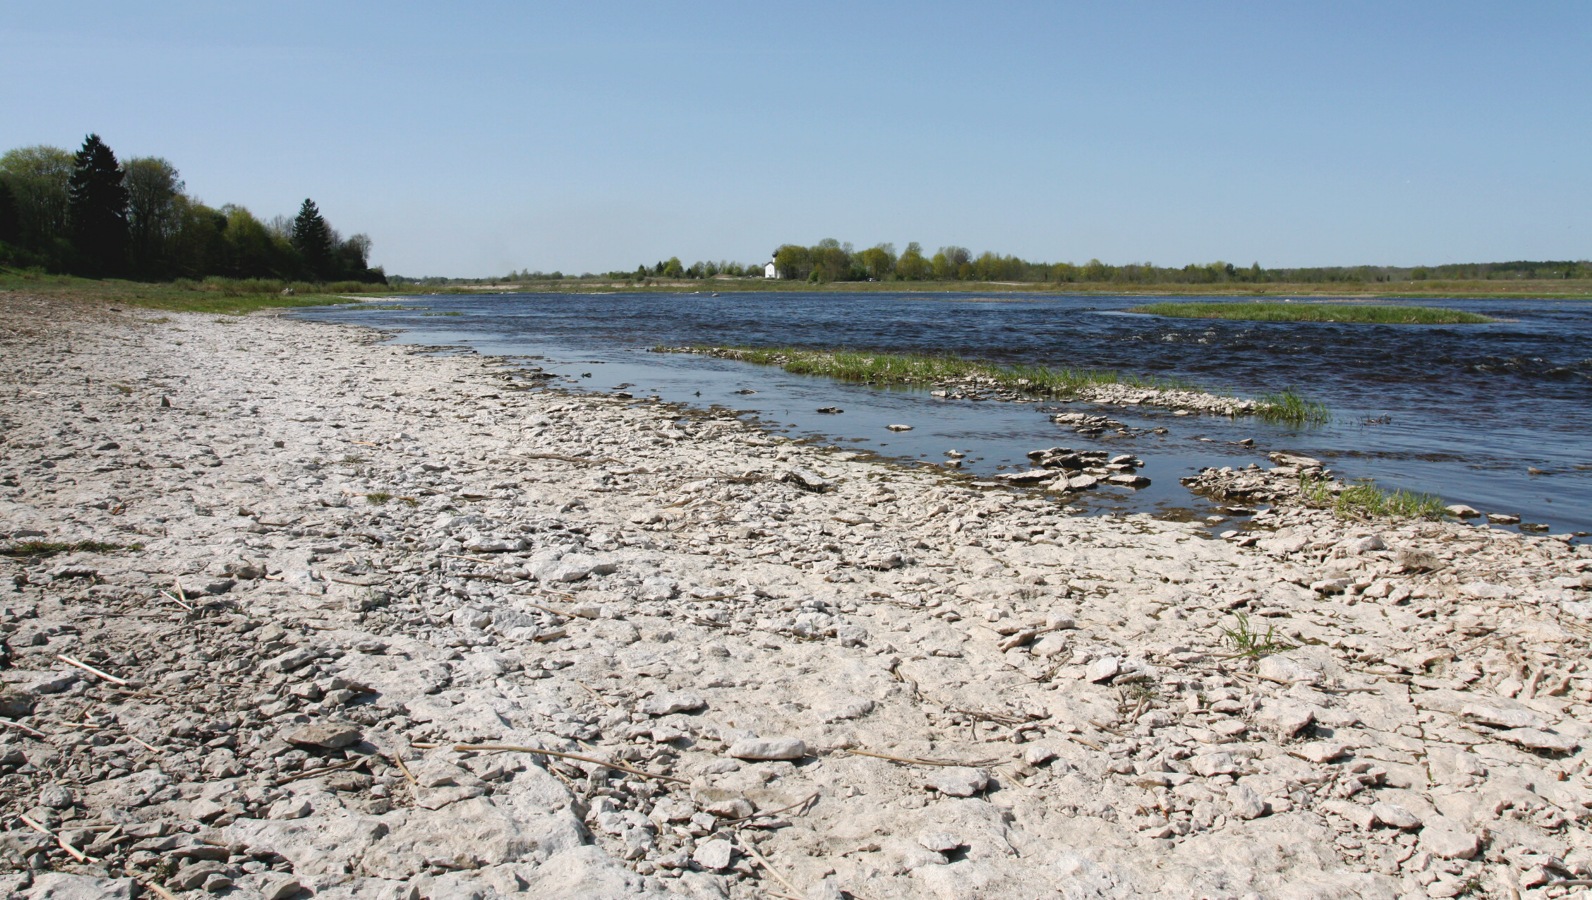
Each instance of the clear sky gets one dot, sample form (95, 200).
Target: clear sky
(473, 139)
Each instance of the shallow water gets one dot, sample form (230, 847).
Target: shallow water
(1497, 416)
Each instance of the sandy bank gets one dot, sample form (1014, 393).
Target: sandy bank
(343, 560)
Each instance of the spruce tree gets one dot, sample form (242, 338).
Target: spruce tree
(97, 209)
(312, 238)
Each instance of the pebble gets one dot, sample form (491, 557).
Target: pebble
(328, 736)
(773, 748)
(959, 781)
(715, 855)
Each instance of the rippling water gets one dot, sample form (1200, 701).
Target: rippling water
(1497, 416)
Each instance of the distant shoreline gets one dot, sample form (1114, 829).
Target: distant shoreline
(1435, 290)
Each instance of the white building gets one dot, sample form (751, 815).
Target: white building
(770, 271)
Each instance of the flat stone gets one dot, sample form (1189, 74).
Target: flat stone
(279, 887)
(1104, 669)
(1501, 718)
(768, 748)
(674, 702)
(1448, 841)
(1208, 765)
(1320, 752)
(1394, 816)
(329, 736)
(941, 841)
(1246, 803)
(1285, 719)
(1537, 739)
(61, 886)
(1278, 667)
(715, 855)
(959, 781)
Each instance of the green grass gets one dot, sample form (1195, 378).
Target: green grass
(227, 296)
(859, 367)
(377, 498)
(1251, 644)
(1358, 313)
(1364, 500)
(1288, 408)
(930, 369)
(31, 549)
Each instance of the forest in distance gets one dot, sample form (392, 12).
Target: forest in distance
(89, 214)
(830, 261)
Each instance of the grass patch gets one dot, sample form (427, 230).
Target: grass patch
(930, 369)
(377, 498)
(1364, 500)
(1357, 313)
(1251, 644)
(36, 549)
(1288, 408)
(225, 296)
(862, 367)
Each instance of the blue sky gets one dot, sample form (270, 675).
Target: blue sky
(475, 139)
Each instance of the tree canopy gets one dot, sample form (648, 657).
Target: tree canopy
(86, 214)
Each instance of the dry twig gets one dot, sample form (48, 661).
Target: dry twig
(90, 669)
(558, 754)
(767, 867)
(77, 854)
(915, 761)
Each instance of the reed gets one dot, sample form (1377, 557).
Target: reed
(1357, 313)
(1286, 407)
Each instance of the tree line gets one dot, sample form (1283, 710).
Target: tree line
(86, 213)
(830, 260)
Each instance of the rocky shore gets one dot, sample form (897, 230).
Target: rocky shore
(290, 612)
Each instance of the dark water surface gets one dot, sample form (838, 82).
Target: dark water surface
(1496, 416)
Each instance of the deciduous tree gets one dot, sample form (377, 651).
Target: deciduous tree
(152, 191)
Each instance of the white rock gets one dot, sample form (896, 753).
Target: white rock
(676, 702)
(1320, 752)
(959, 781)
(715, 855)
(1537, 739)
(1246, 803)
(1288, 670)
(1395, 816)
(1285, 719)
(1050, 645)
(1104, 669)
(755, 748)
(941, 841)
(1444, 838)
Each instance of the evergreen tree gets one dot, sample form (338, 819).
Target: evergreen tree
(97, 209)
(10, 219)
(312, 238)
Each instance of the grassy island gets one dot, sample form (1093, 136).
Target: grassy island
(925, 370)
(1359, 313)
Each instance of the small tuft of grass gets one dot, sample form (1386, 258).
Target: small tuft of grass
(1364, 500)
(1251, 644)
(377, 498)
(1354, 313)
(36, 549)
(1286, 407)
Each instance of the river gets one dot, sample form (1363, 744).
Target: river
(1496, 416)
